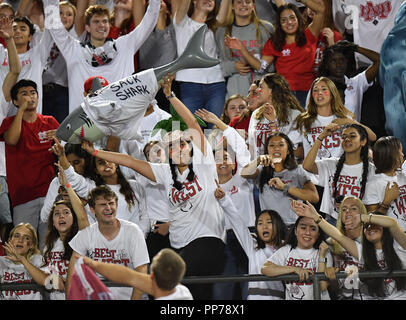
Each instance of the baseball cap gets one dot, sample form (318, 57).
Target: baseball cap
(88, 83)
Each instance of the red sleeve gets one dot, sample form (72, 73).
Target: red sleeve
(269, 49)
(234, 121)
(114, 33)
(53, 123)
(337, 36)
(310, 36)
(5, 125)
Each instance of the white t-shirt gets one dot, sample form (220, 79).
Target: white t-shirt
(184, 31)
(302, 258)
(260, 130)
(60, 265)
(375, 193)
(128, 248)
(354, 93)
(11, 272)
(369, 20)
(79, 70)
(32, 63)
(181, 293)
(194, 211)
(137, 213)
(257, 290)
(348, 184)
(390, 284)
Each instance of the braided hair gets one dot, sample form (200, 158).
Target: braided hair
(364, 158)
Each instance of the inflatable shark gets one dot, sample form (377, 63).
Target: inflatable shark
(118, 108)
(392, 77)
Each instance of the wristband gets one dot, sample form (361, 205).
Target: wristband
(318, 219)
(322, 260)
(67, 186)
(172, 95)
(95, 152)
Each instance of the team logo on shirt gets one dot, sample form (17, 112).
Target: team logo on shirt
(286, 52)
(374, 13)
(398, 206)
(181, 198)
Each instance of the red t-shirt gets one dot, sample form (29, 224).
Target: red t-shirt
(29, 164)
(244, 124)
(295, 63)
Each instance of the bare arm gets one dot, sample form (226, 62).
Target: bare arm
(123, 275)
(141, 166)
(138, 11)
(6, 32)
(272, 270)
(223, 10)
(193, 126)
(12, 135)
(137, 293)
(307, 210)
(308, 192)
(318, 21)
(81, 6)
(180, 7)
(373, 69)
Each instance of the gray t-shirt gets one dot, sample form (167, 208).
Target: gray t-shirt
(272, 198)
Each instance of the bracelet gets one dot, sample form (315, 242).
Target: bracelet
(370, 217)
(172, 95)
(95, 152)
(319, 219)
(67, 186)
(322, 260)
(286, 189)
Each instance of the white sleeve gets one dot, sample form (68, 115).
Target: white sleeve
(325, 166)
(138, 248)
(140, 195)
(137, 37)
(49, 199)
(63, 39)
(237, 223)
(280, 255)
(238, 145)
(373, 193)
(80, 184)
(81, 241)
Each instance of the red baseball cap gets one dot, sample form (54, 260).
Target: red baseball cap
(88, 83)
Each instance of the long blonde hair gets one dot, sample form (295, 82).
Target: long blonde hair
(34, 238)
(306, 119)
(335, 246)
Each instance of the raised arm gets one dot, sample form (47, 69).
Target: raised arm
(373, 69)
(318, 7)
(140, 166)
(79, 23)
(309, 162)
(77, 204)
(307, 210)
(6, 32)
(195, 130)
(180, 7)
(12, 135)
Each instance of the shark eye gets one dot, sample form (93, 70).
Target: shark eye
(68, 126)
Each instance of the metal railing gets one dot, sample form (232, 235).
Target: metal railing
(315, 278)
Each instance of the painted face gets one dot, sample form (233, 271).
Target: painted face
(62, 218)
(22, 240)
(252, 97)
(179, 152)
(155, 154)
(307, 233)
(243, 8)
(278, 148)
(67, 16)
(30, 95)
(350, 213)
(236, 108)
(105, 169)
(321, 94)
(21, 33)
(264, 93)
(224, 163)
(265, 227)
(77, 163)
(98, 27)
(105, 209)
(351, 140)
(337, 65)
(289, 22)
